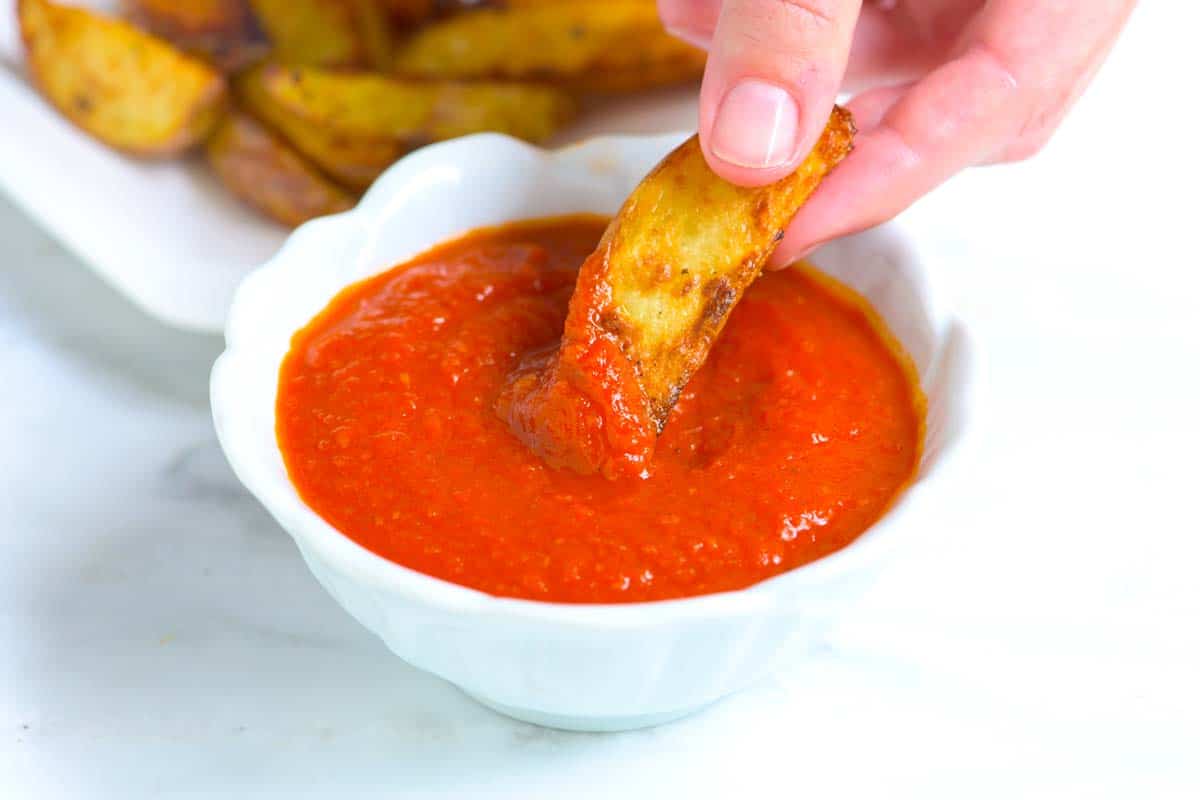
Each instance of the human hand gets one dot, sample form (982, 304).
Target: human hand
(947, 84)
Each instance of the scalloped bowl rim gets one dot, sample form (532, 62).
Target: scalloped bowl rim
(312, 531)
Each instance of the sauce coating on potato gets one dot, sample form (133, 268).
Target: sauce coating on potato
(649, 304)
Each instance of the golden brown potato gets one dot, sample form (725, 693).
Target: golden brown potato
(328, 33)
(612, 46)
(684, 247)
(127, 88)
(220, 31)
(407, 13)
(375, 33)
(185, 17)
(650, 302)
(354, 125)
(264, 171)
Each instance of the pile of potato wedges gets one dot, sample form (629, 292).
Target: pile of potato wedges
(299, 105)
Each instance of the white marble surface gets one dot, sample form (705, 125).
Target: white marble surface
(160, 636)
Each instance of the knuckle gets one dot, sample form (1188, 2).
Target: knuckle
(1022, 114)
(1046, 111)
(994, 67)
(1026, 148)
(1032, 127)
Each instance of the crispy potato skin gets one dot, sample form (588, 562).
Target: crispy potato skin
(650, 302)
(184, 17)
(320, 32)
(127, 88)
(684, 248)
(612, 46)
(221, 32)
(327, 33)
(353, 161)
(374, 24)
(265, 172)
(407, 13)
(353, 126)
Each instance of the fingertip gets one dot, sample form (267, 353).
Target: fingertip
(873, 184)
(870, 107)
(770, 84)
(694, 38)
(787, 255)
(744, 176)
(758, 132)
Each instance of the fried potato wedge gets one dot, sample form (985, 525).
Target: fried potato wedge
(684, 247)
(612, 46)
(264, 171)
(408, 13)
(171, 18)
(353, 126)
(650, 302)
(127, 88)
(374, 24)
(221, 32)
(328, 33)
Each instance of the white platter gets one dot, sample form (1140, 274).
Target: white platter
(167, 235)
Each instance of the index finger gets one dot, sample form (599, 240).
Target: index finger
(1020, 63)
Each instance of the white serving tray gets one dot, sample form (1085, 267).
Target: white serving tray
(167, 234)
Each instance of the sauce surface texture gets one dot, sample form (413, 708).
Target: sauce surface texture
(795, 436)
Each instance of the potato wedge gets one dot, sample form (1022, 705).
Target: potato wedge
(221, 32)
(353, 126)
(375, 33)
(127, 88)
(264, 171)
(685, 246)
(650, 302)
(408, 13)
(614, 46)
(327, 33)
(168, 18)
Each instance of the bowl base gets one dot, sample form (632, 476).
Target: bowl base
(588, 724)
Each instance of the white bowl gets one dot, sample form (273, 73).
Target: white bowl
(583, 667)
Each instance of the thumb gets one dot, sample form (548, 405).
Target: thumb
(773, 74)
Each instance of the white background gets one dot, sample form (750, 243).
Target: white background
(159, 635)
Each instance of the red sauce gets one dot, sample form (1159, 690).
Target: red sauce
(794, 437)
(578, 403)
